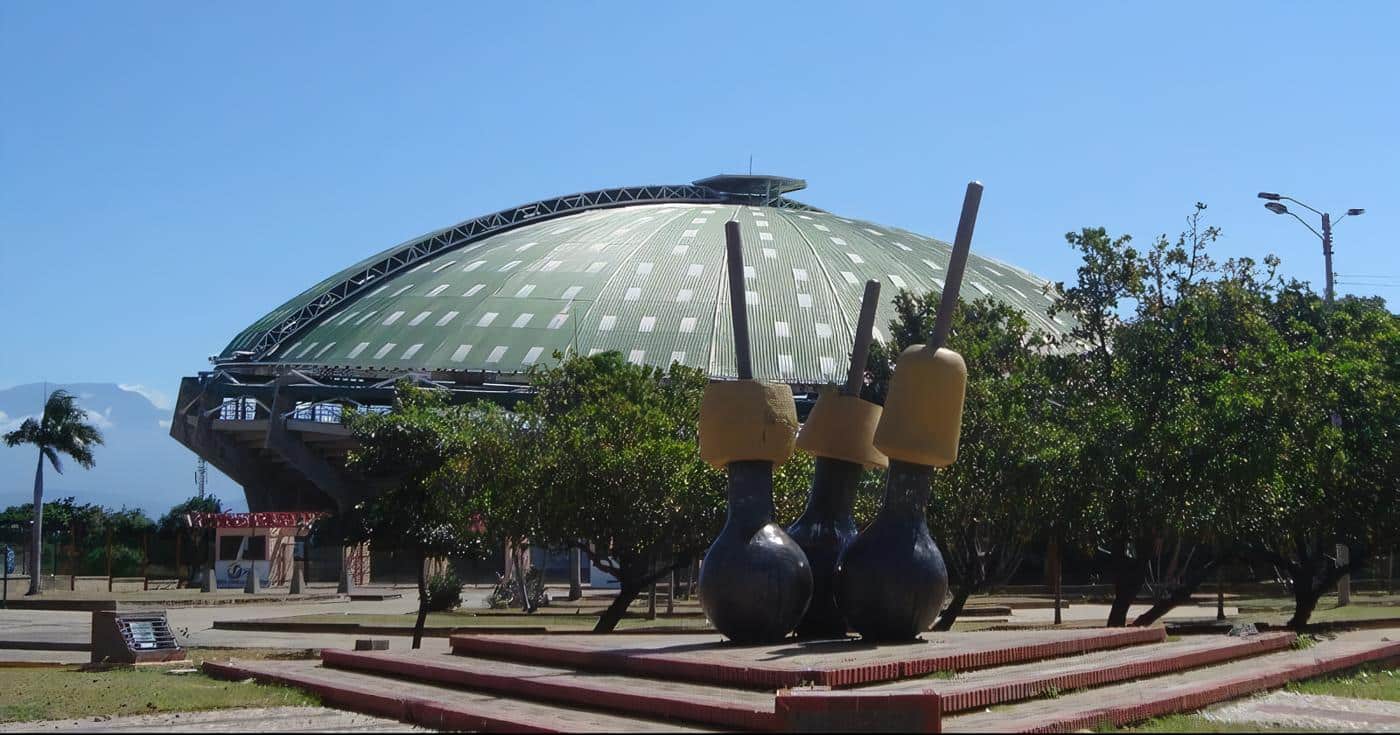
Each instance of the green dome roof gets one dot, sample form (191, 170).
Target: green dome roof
(638, 270)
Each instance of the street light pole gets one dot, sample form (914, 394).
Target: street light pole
(1328, 293)
(1327, 256)
(1273, 205)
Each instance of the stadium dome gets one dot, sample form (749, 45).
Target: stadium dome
(639, 270)
(470, 308)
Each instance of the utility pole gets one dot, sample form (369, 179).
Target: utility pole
(1328, 294)
(1275, 205)
(1327, 256)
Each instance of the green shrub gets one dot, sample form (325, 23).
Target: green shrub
(444, 592)
(126, 561)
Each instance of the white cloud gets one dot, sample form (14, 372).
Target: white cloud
(100, 420)
(8, 424)
(158, 399)
(163, 423)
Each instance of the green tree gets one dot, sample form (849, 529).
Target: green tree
(1330, 413)
(1127, 397)
(61, 430)
(415, 450)
(986, 506)
(615, 470)
(1204, 361)
(172, 525)
(86, 526)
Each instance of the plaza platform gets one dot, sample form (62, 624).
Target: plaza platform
(1042, 680)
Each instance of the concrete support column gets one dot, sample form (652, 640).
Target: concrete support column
(347, 572)
(298, 579)
(209, 584)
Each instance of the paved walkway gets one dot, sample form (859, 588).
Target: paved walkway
(12, 656)
(194, 625)
(1313, 711)
(248, 719)
(1079, 612)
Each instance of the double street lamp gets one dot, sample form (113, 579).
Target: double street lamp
(1276, 206)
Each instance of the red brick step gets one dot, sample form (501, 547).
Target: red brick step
(708, 659)
(437, 707)
(986, 687)
(736, 708)
(753, 710)
(1186, 691)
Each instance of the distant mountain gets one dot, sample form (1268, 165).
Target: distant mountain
(139, 466)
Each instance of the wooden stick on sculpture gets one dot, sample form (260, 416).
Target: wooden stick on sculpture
(860, 350)
(755, 583)
(838, 433)
(738, 299)
(888, 587)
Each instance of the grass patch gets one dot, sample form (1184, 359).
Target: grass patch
(1195, 723)
(1372, 681)
(200, 655)
(1353, 611)
(73, 693)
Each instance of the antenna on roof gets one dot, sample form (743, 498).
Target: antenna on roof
(750, 164)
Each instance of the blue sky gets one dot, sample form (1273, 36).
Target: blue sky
(170, 171)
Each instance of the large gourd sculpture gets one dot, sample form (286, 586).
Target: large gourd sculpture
(840, 433)
(891, 582)
(755, 582)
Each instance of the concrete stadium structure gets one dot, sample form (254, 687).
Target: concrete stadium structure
(471, 308)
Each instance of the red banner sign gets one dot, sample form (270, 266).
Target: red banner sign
(278, 519)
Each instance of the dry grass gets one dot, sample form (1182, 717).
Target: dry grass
(74, 692)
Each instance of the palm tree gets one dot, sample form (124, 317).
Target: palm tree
(62, 430)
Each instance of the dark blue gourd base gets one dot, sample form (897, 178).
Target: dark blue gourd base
(891, 582)
(755, 581)
(823, 532)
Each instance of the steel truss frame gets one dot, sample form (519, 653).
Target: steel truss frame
(255, 345)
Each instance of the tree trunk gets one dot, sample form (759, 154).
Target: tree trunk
(36, 553)
(671, 593)
(955, 608)
(1181, 594)
(1127, 583)
(575, 574)
(422, 602)
(523, 554)
(626, 594)
(1305, 597)
(1219, 594)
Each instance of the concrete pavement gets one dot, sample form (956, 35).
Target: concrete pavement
(193, 626)
(248, 719)
(1311, 711)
